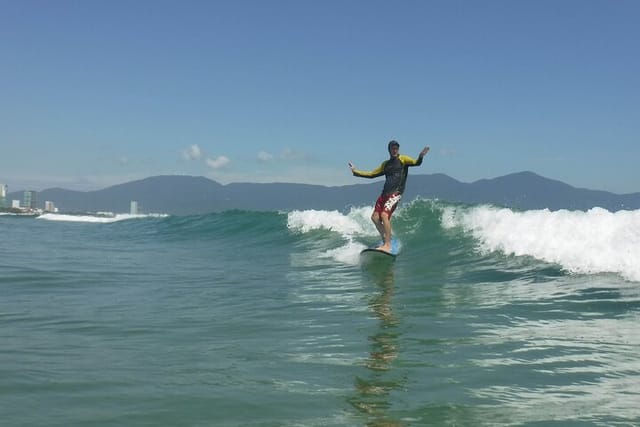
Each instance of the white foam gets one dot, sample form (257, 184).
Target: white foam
(347, 254)
(103, 219)
(356, 223)
(595, 241)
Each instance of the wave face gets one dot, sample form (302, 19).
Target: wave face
(592, 242)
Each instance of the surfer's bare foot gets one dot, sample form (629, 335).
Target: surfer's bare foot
(384, 248)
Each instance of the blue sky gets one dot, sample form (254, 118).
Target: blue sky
(95, 93)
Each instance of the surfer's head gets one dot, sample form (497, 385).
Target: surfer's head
(392, 144)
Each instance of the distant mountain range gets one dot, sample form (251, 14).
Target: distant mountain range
(183, 195)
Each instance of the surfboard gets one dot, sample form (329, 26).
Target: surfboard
(372, 251)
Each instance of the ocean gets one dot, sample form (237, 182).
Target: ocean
(488, 317)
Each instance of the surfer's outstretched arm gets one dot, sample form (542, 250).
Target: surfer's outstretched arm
(379, 171)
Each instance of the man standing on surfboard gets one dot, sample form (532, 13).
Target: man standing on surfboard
(395, 171)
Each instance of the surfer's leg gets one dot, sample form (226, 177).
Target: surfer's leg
(375, 217)
(385, 221)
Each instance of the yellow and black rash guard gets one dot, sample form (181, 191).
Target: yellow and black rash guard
(395, 170)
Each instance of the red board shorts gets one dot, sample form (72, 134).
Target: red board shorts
(387, 203)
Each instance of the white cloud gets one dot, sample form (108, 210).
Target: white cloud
(192, 153)
(218, 162)
(263, 156)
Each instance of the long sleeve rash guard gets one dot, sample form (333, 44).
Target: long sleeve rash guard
(395, 170)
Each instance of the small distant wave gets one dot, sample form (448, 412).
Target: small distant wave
(97, 218)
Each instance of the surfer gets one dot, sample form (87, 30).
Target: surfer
(395, 171)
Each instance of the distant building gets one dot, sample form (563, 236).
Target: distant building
(49, 207)
(15, 204)
(29, 199)
(134, 208)
(3, 195)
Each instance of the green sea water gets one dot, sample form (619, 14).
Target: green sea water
(489, 316)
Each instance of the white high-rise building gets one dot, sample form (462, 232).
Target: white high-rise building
(3, 195)
(49, 206)
(134, 208)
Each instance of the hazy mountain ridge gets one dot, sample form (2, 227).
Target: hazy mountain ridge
(181, 195)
